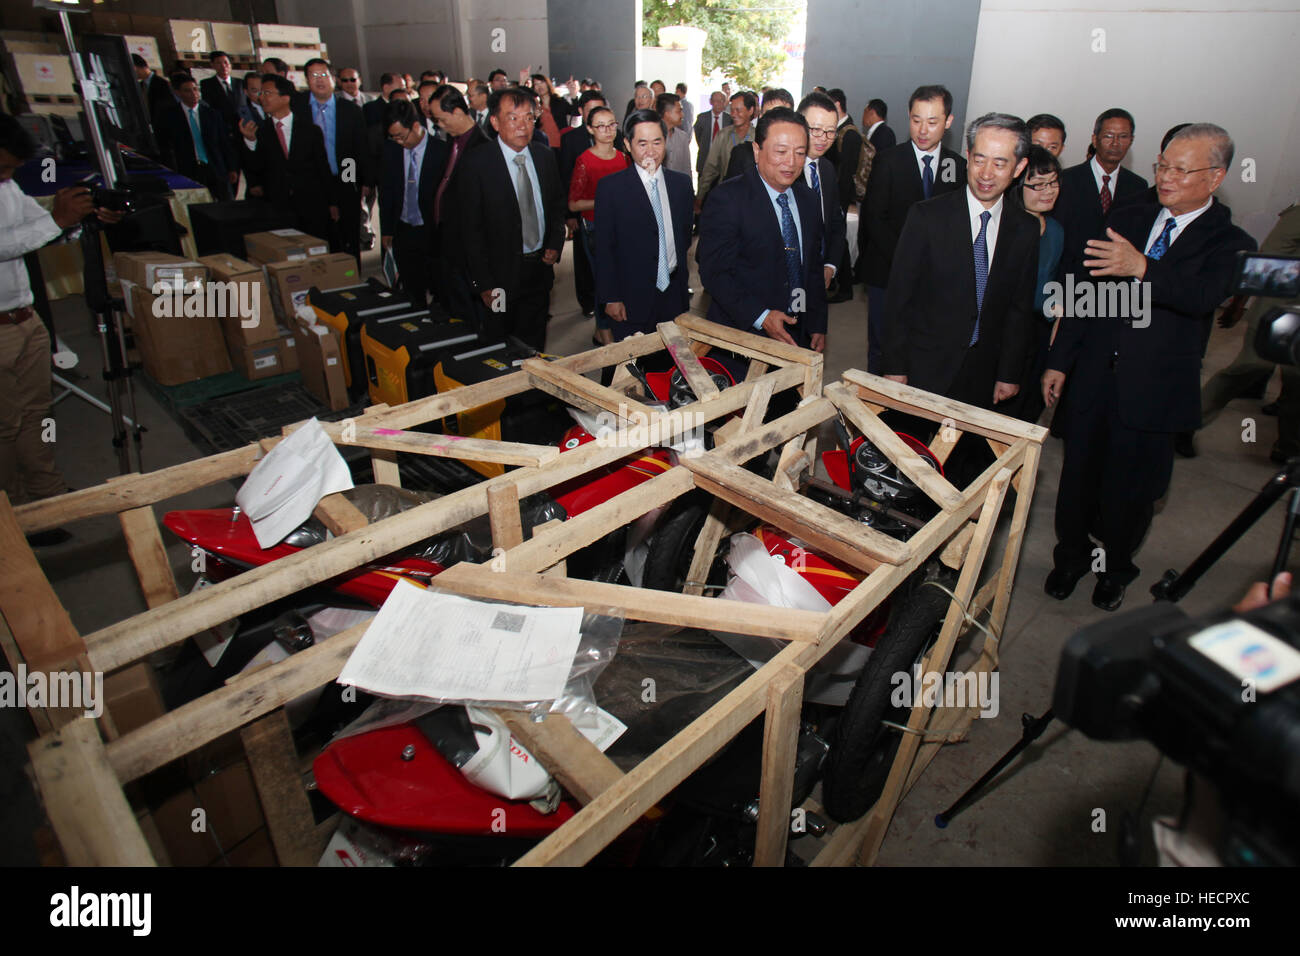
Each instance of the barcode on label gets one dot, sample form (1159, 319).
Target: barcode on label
(505, 621)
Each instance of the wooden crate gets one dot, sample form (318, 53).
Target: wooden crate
(81, 776)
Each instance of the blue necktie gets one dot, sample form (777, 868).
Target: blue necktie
(661, 279)
(981, 271)
(328, 136)
(1161, 245)
(816, 183)
(411, 207)
(927, 177)
(793, 261)
(199, 151)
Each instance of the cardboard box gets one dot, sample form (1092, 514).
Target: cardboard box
(277, 33)
(176, 820)
(295, 56)
(190, 38)
(321, 365)
(147, 47)
(231, 803)
(290, 281)
(174, 348)
(45, 74)
(232, 38)
(280, 245)
(132, 696)
(257, 361)
(251, 320)
(288, 350)
(257, 850)
(147, 268)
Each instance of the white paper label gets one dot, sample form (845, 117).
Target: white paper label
(1249, 653)
(286, 233)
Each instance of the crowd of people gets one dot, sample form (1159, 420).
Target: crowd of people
(962, 253)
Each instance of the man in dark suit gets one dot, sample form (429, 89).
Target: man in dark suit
(961, 288)
(346, 148)
(643, 233)
(414, 163)
(845, 153)
(874, 129)
(742, 154)
(225, 93)
(901, 177)
(284, 159)
(818, 111)
(760, 246)
(707, 126)
(456, 120)
(206, 158)
(252, 108)
(1091, 189)
(1135, 377)
(1047, 131)
(156, 91)
(511, 218)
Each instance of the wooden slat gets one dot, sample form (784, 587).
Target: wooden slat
(780, 739)
(756, 369)
(339, 515)
(706, 547)
(822, 529)
(273, 760)
(570, 758)
(756, 408)
(383, 464)
(746, 343)
(679, 350)
(84, 799)
(437, 446)
(763, 438)
(639, 604)
(569, 386)
(135, 491)
(634, 346)
(938, 488)
(936, 408)
(145, 546)
(503, 516)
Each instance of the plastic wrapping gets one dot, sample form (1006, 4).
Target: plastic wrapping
(759, 578)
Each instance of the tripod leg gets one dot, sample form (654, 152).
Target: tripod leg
(1033, 729)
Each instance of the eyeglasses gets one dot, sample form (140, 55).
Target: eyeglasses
(347, 79)
(519, 119)
(316, 75)
(820, 132)
(605, 126)
(1115, 137)
(1039, 187)
(1177, 171)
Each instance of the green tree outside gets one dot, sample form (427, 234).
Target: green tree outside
(744, 35)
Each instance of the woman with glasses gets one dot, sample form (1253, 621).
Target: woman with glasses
(1037, 191)
(592, 166)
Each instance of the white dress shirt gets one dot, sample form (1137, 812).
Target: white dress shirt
(657, 179)
(974, 207)
(513, 170)
(872, 128)
(24, 227)
(1180, 223)
(934, 162)
(1098, 172)
(288, 132)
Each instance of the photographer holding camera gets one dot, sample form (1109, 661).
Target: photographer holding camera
(27, 469)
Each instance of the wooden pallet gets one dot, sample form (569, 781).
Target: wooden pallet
(81, 769)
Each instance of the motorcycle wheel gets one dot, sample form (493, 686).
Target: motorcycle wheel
(863, 748)
(673, 549)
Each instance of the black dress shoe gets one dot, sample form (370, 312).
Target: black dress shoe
(1060, 584)
(48, 539)
(1108, 594)
(1184, 445)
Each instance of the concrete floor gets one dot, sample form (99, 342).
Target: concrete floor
(1042, 813)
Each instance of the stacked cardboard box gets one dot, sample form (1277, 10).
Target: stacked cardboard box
(178, 336)
(253, 338)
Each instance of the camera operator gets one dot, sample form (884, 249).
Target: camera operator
(27, 469)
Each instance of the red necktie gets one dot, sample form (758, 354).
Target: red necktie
(715, 128)
(279, 131)
(1105, 195)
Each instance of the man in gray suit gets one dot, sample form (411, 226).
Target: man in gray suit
(708, 125)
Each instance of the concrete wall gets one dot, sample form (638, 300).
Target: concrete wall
(596, 38)
(1173, 61)
(883, 48)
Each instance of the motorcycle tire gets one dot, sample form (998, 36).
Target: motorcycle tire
(672, 548)
(863, 748)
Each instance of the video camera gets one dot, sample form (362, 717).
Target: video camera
(1220, 694)
(1274, 277)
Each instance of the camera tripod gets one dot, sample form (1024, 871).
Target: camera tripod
(1172, 587)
